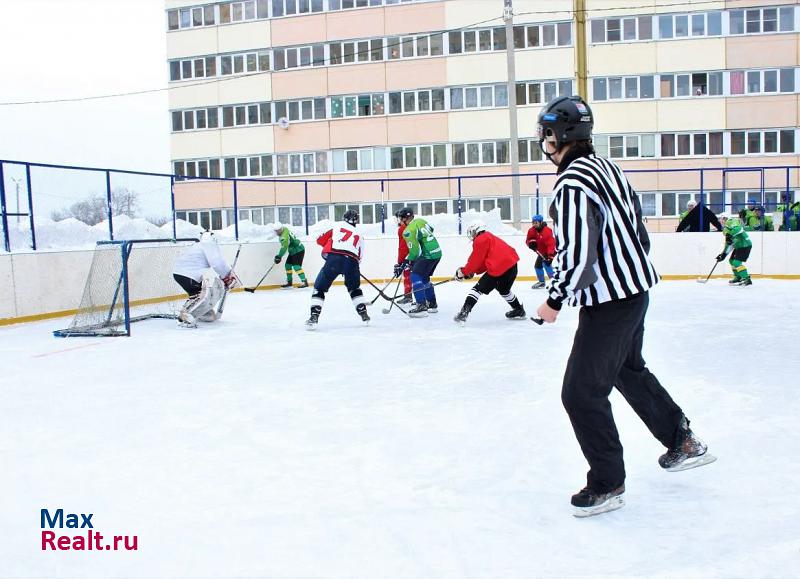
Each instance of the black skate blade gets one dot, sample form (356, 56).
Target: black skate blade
(539, 321)
(612, 504)
(693, 462)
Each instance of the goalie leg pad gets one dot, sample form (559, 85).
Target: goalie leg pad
(216, 290)
(210, 316)
(206, 300)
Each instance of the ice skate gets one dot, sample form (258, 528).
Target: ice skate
(311, 323)
(362, 311)
(516, 314)
(690, 452)
(746, 281)
(433, 308)
(538, 285)
(303, 285)
(588, 502)
(735, 281)
(287, 285)
(404, 300)
(186, 320)
(313, 320)
(418, 311)
(461, 317)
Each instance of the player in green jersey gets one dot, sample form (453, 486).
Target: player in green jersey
(296, 252)
(736, 239)
(424, 254)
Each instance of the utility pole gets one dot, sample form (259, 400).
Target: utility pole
(516, 203)
(16, 183)
(579, 10)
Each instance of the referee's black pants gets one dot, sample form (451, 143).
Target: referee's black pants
(607, 353)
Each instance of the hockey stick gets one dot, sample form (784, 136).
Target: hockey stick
(375, 299)
(221, 306)
(426, 286)
(396, 289)
(253, 289)
(709, 273)
(381, 293)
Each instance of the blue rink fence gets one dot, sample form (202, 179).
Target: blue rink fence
(25, 181)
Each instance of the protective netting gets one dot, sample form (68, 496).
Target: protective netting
(151, 289)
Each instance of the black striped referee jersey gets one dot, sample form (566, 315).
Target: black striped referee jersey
(601, 241)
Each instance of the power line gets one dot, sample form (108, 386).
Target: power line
(358, 53)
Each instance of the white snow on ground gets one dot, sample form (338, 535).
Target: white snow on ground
(409, 448)
(73, 234)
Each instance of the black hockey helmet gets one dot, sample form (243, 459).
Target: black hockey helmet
(351, 217)
(405, 212)
(565, 119)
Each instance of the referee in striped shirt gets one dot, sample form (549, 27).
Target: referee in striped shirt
(601, 264)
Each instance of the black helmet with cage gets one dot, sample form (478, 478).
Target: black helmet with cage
(351, 216)
(405, 213)
(564, 120)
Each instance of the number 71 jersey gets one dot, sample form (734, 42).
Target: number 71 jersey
(342, 238)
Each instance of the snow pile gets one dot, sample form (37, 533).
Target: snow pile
(443, 224)
(73, 234)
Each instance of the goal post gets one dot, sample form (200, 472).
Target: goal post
(129, 281)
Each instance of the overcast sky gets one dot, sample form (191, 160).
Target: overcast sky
(55, 49)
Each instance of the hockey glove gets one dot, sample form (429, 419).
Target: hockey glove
(230, 281)
(398, 269)
(721, 256)
(277, 259)
(460, 275)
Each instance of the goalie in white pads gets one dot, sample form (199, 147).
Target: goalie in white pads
(204, 291)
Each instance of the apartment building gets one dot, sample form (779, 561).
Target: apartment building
(331, 102)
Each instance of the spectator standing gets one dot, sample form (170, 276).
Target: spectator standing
(698, 218)
(790, 211)
(759, 221)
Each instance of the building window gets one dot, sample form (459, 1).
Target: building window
(762, 20)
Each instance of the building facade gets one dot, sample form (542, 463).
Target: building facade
(332, 101)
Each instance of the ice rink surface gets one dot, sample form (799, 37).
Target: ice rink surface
(406, 449)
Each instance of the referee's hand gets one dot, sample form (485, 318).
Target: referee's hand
(547, 313)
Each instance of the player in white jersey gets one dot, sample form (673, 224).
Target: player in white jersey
(204, 291)
(342, 248)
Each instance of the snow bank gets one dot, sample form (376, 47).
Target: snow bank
(73, 234)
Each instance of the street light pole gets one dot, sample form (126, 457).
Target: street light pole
(516, 202)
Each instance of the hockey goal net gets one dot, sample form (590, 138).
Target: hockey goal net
(128, 281)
